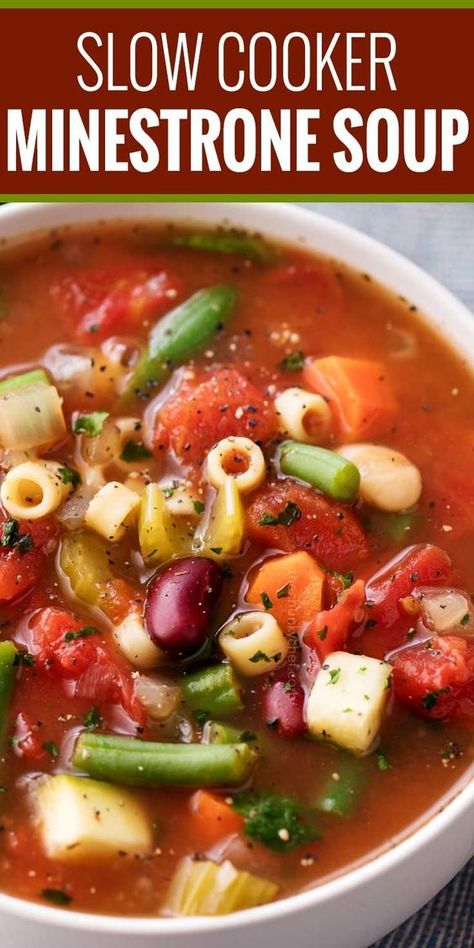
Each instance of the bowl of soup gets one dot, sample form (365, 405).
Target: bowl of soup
(237, 637)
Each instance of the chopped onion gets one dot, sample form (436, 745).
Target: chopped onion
(407, 346)
(160, 698)
(445, 610)
(71, 365)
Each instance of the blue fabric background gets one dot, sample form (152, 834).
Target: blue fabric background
(439, 238)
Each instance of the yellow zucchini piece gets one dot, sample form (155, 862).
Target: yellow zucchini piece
(201, 887)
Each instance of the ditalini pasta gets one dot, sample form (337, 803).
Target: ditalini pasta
(304, 416)
(34, 489)
(254, 643)
(240, 458)
(112, 509)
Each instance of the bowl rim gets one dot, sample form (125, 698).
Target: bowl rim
(458, 330)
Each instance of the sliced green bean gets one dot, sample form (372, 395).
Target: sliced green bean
(329, 472)
(126, 760)
(228, 242)
(7, 678)
(341, 796)
(25, 378)
(212, 691)
(179, 334)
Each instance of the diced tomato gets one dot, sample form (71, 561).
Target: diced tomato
(436, 678)
(85, 660)
(327, 529)
(330, 629)
(99, 303)
(21, 572)
(388, 623)
(216, 407)
(421, 565)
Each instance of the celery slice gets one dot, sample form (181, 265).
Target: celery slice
(201, 887)
(31, 416)
(14, 382)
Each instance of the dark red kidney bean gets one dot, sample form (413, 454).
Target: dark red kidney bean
(283, 707)
(180, 603)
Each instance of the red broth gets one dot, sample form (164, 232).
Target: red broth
(89, 291)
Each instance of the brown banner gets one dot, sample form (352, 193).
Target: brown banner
(394, 97)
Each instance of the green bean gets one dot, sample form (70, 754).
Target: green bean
(330, 473)
(7, 678)
(212, 691)
(177, 336)
(21, 381)
(342, 796)
(393, 527)
(228, 242)
(126, 760)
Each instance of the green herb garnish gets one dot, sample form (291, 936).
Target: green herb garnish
(69, 475)
(135, 451)
(280, 823)
(90, 425)
(293, 362)
(81, 634)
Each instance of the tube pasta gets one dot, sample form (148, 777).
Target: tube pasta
(33, 489)
(304, 416)
(254, 643)
(31, 417)
(135, 643)
(112, 510)
(241, 448)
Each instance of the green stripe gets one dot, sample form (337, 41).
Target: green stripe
(237, 4)
(254, 198)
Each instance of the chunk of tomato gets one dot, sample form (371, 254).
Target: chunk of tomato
(288, 516)
(388, 622)
(218, 406)
(21, 571)
(330, 629)
(100, 303)
(436, 678)
(85, 659)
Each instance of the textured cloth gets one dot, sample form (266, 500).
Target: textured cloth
(439, 238)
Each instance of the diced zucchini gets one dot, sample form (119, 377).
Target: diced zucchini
(85, 819)
(201, 887)
(347, 701)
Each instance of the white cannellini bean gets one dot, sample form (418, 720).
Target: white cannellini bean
(160, 698)
(254, 643)
(304, 416)
(388, 480)
(243, 447)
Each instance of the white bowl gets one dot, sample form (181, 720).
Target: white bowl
(354, 909)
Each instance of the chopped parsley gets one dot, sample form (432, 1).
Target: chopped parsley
(431, 698)
(289, 686)
(465, 619)
(91, 425)
(345, 578)
(81, 634)
(283, 592)
(198, 506)
(200, 716)
(267, 602)
(285, 518)
(382, 762)
(280, 823)
(334, 676)
(168, 492)
(259, 657)
(322, 633)
(13, 539)
(56, 896)
(92, 719)
(51, 747)
(135, 451)
(247, 737)
(69, 475)
(293, 362)
(216, 549)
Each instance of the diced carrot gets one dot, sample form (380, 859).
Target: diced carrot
(213, 818)
(360, 396)
(291, 588)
